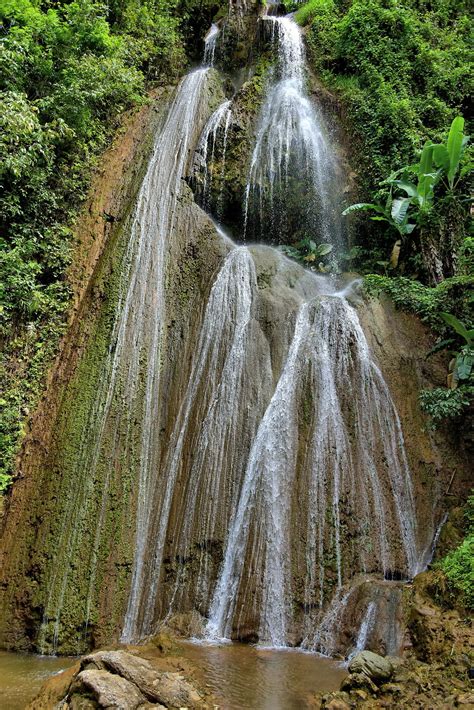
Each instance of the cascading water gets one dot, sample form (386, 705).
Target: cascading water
(352, 428)
(266, 419)
(274, 495)
(210, 45)
(292, 187)
(212, 145)
(134, 353)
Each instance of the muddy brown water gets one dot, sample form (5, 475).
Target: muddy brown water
(245, 677)
(240, 677)
(22, 675)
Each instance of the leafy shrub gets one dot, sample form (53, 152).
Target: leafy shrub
(402, 73)
(67, 71)
(458, 565)
(451, 295)
(442, 403)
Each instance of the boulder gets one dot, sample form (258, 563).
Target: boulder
(372, 665)
(337, 704)
(174, 691)
(169, 689)
(358, 680)
(133, 668)
(109, 691)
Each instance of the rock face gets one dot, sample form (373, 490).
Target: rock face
(435, 670)
(121, 680)
(109, 691)
(73, 594)
(372, 665)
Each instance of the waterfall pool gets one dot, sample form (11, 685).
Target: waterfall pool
(21, 676)
(241, 677)
(246, 677)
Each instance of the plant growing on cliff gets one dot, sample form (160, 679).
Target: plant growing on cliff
(404, 214)
(67, 72)
(440, 403)
(458, 565)
(464, 358)
(307, 252)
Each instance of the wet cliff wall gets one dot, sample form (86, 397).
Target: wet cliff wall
(96, 547)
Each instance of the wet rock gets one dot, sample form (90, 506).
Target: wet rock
(391, 688)
(109, 691)
(336, 704)
(134, 669)
(358, 680)
(372, 665)
(174, 691)
(169, 689)
(465, 699)
(79, 702)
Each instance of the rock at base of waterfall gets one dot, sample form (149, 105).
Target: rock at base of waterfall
(118, 679)
(336, 703)
(109, 690)
(376, 667)
(359, 680)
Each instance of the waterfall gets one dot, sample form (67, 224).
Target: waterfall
(354, 428)
(280, 480)
(213, 142)
(212, 415)
(365, 629)
(276, 432)
(210, 44)
(136, 339)
(168, 168)
(293, 162)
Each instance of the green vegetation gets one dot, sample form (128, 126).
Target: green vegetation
(67, 72)
(401, 73)
(458, 565)
(431, 304)
(309, 253)
(440, 165)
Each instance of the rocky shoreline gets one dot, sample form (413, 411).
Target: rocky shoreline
(435, 671)
(130, 679)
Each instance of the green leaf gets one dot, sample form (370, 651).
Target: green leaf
(427, 178)
(441, 157)
(407, 187)
(466, 169)
(455, 147)
(324, 249)
(425, 166)
(400, 210)
(363, 206)
(463, 368)
(458, 326)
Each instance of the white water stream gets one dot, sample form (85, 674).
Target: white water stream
(293, 152)
(285, 472)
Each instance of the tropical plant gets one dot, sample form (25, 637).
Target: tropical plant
(308, 252)
(445, 157)
(442, 403)
(448, 156)
(436, 161)
(395, 212)
(464, 358)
